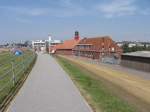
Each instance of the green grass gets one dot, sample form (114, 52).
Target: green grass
(20, 63)
(101, 98)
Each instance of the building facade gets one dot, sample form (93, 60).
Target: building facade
(97, 48)
(39, 45)
(45, 45)
(52, 44)
(66, 48)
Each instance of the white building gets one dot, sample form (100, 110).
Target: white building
(53, 43)
(39, 45)
(45, 45)
(120, 44)
(132, 45)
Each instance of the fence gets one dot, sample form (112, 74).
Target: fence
(12, 69)
(110, 60)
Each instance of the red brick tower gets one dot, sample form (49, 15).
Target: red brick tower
(77, 37)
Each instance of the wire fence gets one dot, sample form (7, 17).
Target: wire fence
(12, 69)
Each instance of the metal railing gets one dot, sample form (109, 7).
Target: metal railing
(11, 71)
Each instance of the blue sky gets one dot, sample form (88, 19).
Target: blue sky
(35, 19)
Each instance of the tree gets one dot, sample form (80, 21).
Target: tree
(125, 48)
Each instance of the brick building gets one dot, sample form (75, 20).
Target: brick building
(67, 46)
(97, 48)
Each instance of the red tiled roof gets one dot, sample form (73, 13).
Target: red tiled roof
(68, 44)
(96, 40)
(100, 42)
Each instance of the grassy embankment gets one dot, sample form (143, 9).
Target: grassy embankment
(97, 94)
(22, 65)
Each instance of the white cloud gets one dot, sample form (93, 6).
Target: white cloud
(67, 9)
(71, 8)
(118, 8)
(25, 11)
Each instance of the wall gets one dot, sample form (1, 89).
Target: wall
(64, 51)
(139, 63)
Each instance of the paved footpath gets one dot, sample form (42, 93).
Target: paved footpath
(48, 89)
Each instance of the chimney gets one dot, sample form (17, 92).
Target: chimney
(77, 37)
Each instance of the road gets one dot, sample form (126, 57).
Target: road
(48, 89)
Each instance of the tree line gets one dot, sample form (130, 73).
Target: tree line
(126, 48)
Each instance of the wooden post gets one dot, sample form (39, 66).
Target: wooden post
(13, 73)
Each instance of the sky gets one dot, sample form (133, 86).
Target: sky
(35, 19)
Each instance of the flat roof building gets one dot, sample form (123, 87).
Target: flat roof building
(139, 54)
(139, 60)
(39, 45)
(52, 44)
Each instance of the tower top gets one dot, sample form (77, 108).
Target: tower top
(77, 37)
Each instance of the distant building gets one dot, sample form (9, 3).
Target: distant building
(132, 44)
(4, 45)
(139, 60)
(98, 48)
(45, 45)
(147, 45)
(39, 45)
(20, 45)
(66, 48)
(53, 43)
(120, 44)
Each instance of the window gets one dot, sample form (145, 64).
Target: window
(112, 49)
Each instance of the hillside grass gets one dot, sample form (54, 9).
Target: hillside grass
(95, 92)
(21, 64)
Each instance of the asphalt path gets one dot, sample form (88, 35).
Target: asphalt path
(48, 89)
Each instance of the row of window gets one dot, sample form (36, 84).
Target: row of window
(39, 44)
(91, 47)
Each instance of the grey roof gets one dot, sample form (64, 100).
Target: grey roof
(139, 53)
